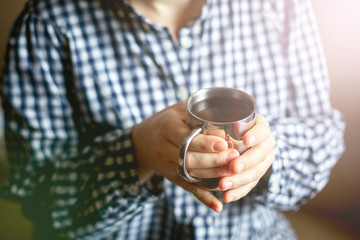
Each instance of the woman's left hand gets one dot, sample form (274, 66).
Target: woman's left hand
(250, 166)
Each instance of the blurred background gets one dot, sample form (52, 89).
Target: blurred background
(339, 25)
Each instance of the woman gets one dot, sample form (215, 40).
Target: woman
(93, 97)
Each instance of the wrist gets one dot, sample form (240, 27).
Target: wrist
(144, 171)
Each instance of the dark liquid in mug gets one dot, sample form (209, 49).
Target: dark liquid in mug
(209, 183)
(221, 110)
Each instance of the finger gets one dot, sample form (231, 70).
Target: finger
(180, 106)
(210, 160)
(230, 144)
(259, 132)
(210, 172)
(213, 141)
(238, 193)
(253, 155)
(201, 194)
(246, 176)
(216, 132)
(208, 143)
(240, 128)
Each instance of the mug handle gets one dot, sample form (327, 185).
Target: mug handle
(182, 155)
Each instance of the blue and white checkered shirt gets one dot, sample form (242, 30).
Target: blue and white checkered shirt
(80, 74)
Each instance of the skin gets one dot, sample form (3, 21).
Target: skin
(157, 139)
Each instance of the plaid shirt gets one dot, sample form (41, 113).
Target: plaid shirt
(80, 74)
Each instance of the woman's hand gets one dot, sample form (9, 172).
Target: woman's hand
(157, 139)
(251, 166)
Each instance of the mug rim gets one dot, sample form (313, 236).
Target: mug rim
(233, 91)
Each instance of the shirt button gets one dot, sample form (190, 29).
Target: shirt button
(186, 42)
(182, 93)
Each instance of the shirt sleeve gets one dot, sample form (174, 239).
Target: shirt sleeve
(78, 188)
(310, 137)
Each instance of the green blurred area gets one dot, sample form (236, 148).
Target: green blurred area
(13, 226)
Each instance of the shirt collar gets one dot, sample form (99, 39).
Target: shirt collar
(133, 13)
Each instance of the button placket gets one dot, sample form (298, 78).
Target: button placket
(186, 42)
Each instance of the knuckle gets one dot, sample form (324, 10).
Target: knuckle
(215, 172)
(213, 161)
(158, 150)
(240, 193)
(190, 161)
(257, 174)
(164, 119)
(261, 119)
(202, 142)
(203, 146)
(243, 193)
(246, 189)
(194, 191)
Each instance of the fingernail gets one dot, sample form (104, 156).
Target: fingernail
(229, 184)
(240, 167)
(230, 199)
(219, 146)
(231, 155)
(216, 208)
